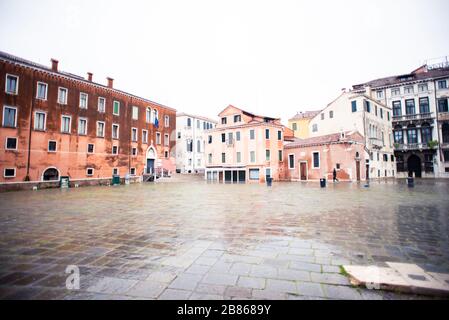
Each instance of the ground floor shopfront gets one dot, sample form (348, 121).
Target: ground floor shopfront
(240, 174)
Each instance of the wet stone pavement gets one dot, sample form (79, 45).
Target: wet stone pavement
(193, 240)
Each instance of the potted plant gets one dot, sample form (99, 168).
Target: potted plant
(432, 144)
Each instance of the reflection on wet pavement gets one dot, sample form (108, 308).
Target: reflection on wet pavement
(194, 240)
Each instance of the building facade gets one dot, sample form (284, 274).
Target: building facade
(315, 158)
(358, 112)
(245, 147)
(191, 142)
(56, 124)
(420, 118)
(300, 123)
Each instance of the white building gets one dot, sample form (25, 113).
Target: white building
(191, 141)
(420, 118)
(372, 119)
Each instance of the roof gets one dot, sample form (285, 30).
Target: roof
(350, 137)
(420, 74)
(26, 63)
(305, 115)
(183, 114)
(249, 114)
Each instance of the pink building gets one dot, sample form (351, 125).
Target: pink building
(245, 147)
(316, 158)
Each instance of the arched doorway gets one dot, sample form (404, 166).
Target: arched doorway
(151, 159)
(50, 174)
(414, 166)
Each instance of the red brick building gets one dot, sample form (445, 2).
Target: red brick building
(56, 124)
(316, 158)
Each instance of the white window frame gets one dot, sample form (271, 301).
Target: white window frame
(87, 100)
(249, 175)
(167, 121)
(145, 136)
(132, 134)
(118, 131)
(6, 143)
(159, 138)
(113, 107)
(319, 160)
(115, 169)
(104, 105)
(255, 157)
(15, 118)
(167, 140)
(379, 94)
(45, 120)
(294, 161)
(87, 172)
(148, 113)
(423, 85)
(48, 146)
(87, 146)
(37, 90)
(6, 84)
(70, 124)
(66, 95)
(135, 112)
(132, 151)
(112, 150)
(445, 86)
(9, 177)
(104, 129)
(79, 121)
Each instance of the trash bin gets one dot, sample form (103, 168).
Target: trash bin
(410, 182)
(323, 183)
(115, 180)
(269, 181)
(64, 182)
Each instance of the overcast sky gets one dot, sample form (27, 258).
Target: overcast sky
(269, 57)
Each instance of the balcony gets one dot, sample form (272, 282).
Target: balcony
(414, 118)
(376, 143)
(411, 146)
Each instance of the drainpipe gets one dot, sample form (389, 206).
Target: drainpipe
(193, 145)
(27, 177)
(438, 123)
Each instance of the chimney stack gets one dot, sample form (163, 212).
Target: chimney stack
(110, 82)
(54, 65)
(89, 76)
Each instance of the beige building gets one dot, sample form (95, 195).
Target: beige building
(299, 124)
(245, 147)
(372, 119)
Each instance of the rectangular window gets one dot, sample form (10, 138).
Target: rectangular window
(52, 146)
(148, 115)
(223, 137)
(237, 118)
(279, 135)
(322, 116)
(267, 155)
(210, 139)
(83, 100)
(316, 160)
(253, 174)
(388, 115)
(230, 138)
(223, 158)
(100, 129)
(158, 138)
(115, 131)
(381, 113)
(62, 95)
(237, 136)
(89, 172)
(115, 171)
(408, 90)
(379, 94)
(412, 136)
(116, 108)
(397, 108)
(280, 155)
(41, 91)
(189, 145)
(424, 105)
(11, 144)
(446, 155)
(442, 105)
(101, 105)
(224, 120)
(12, 84)
(239, 157)
(442, 84)
(167, 121)
(166, 157)
(426, 134)
(144, 136)
(82, 126)
(39, 121)
(132, 171)
(66, 124)
(134, 134)
(166, 140)
(210, 158)
(189, 122)
(90, 148)
(423, 87)
(134, 151)
(395, 92)
(294, 126)
(367, 106)
(410, 107)
(135, 113)
(252, 156)
(291, 161)
(115, 150)
(252, 134)
(315, 128)
(354, 106)
(375, 110)
(9, 173)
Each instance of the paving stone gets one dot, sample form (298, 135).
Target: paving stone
(305, 266)
(206, 261)
(281, 286)
(147, 289)
(310, 289)
(185, 282)
(240, 268)
(268, 295)
(263, 271)
(329, 278)
(198, 269)
(205, 296)
(251, 282)
(300, 251)
(112, 285)
(292, 257)
(213, 253)
(174, 294)
(161, 276)
(220, 279)
(293, 275)
(341, 292)
(330, 269)
(238, 292)
(210, 289)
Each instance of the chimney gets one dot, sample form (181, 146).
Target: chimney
(110, 82)
(89, 76)
(54, 65)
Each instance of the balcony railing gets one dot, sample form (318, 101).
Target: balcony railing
(418, 116)
(411, 146)
(376, 142)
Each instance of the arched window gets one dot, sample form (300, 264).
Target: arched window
(426, 133)
(445, 132)
(148, 115)
(155, 115)
(398, 135)
(412, 134)
(357, 155)
(198, 146)
(51, 174)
